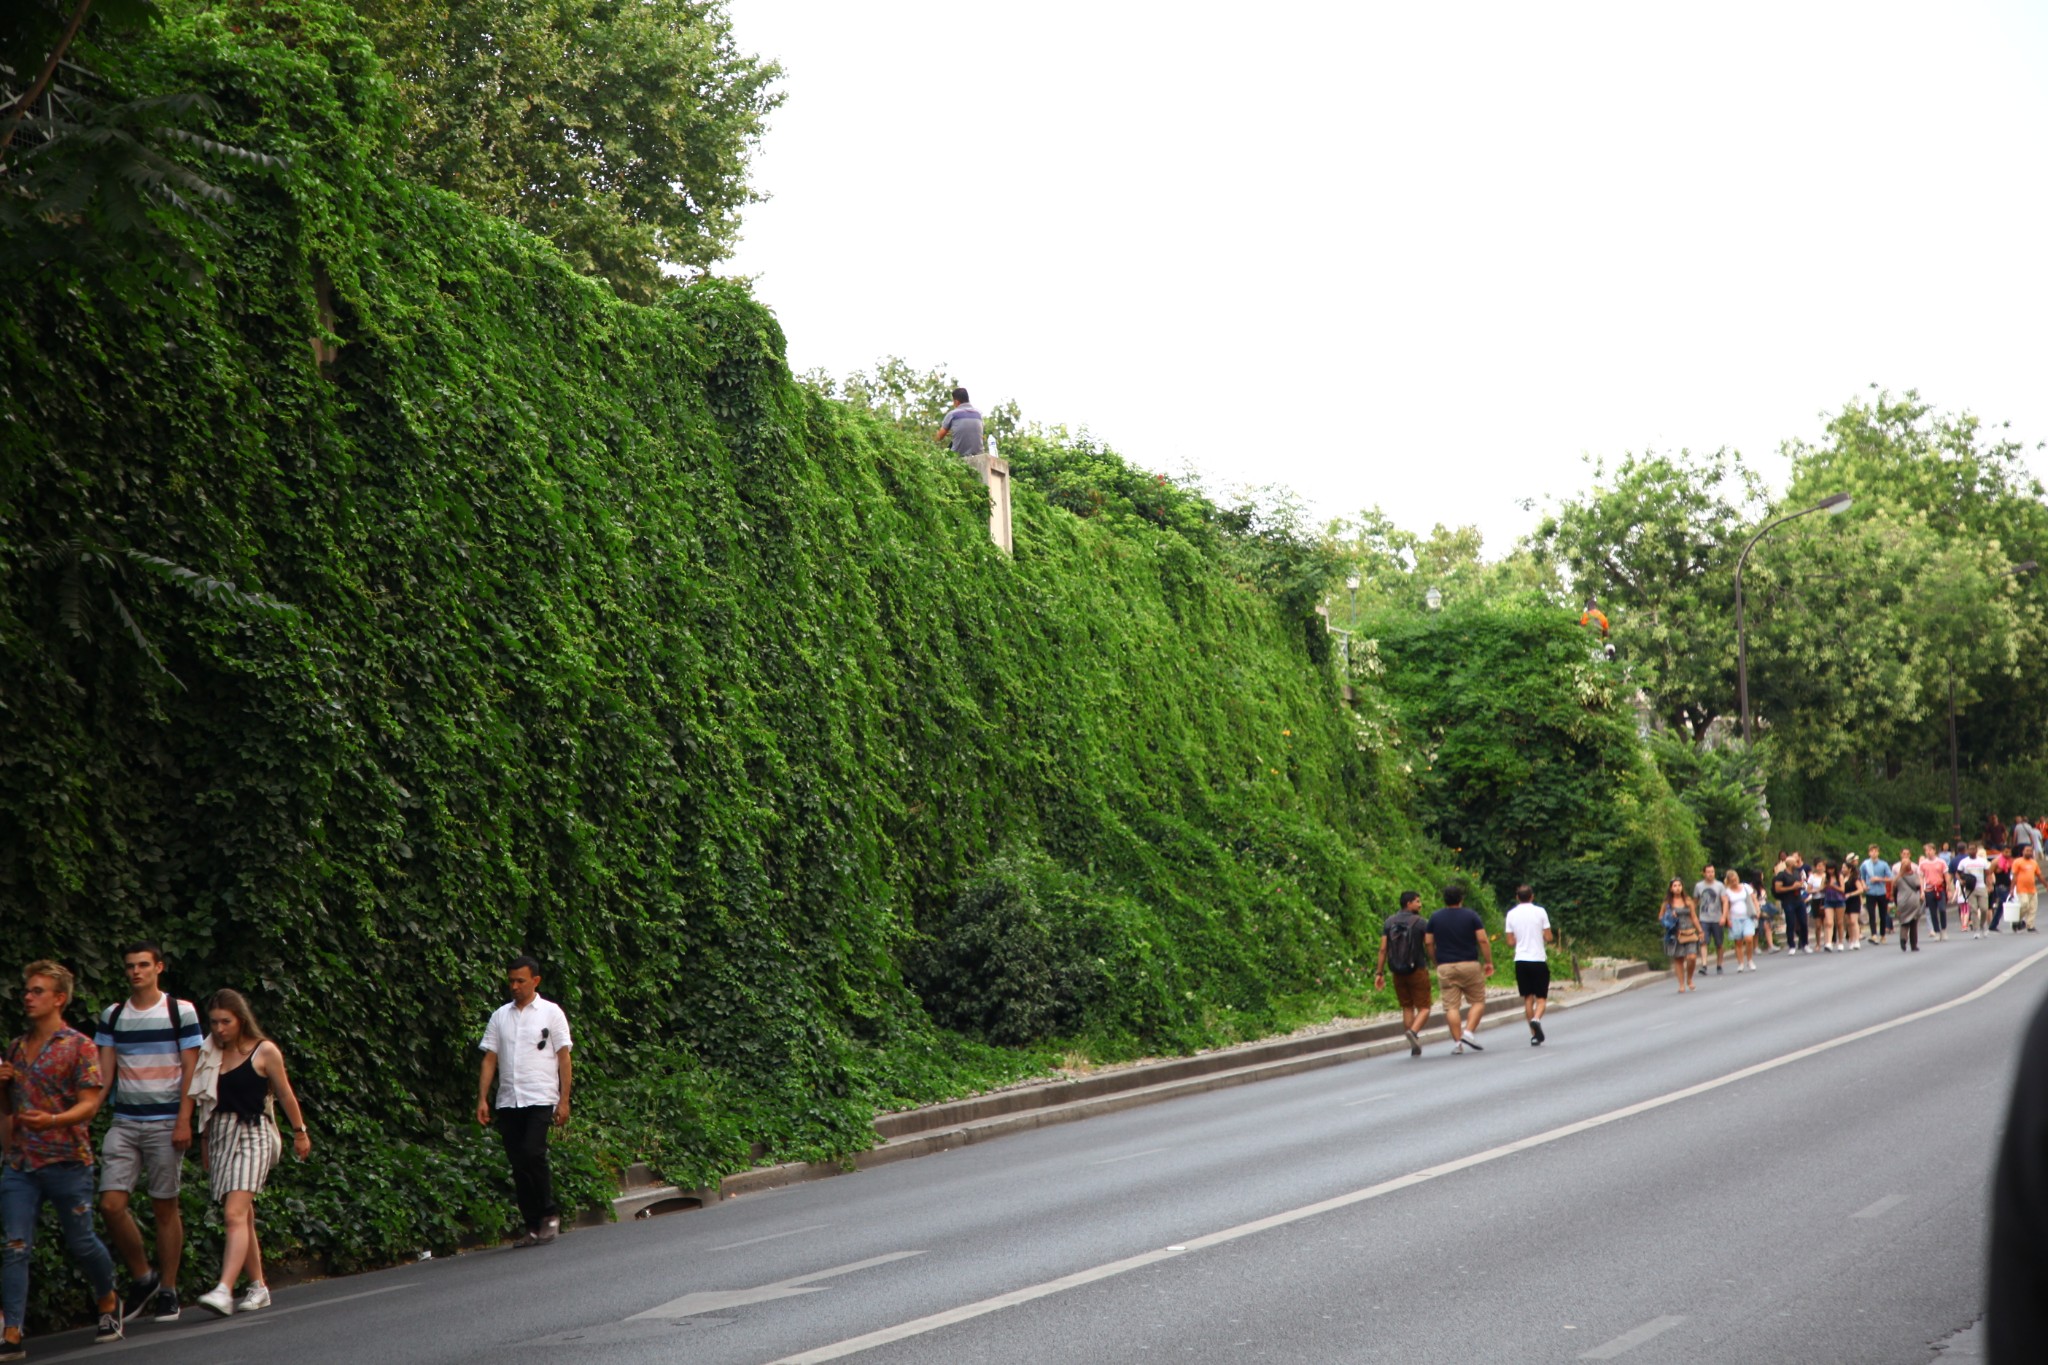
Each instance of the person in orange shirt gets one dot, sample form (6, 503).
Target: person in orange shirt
(2026, 878)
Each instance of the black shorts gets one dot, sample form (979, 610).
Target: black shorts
(1533, 978)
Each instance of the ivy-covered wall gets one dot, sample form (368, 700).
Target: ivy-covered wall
(611, 643)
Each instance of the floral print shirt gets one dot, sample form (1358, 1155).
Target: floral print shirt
(68, 1064)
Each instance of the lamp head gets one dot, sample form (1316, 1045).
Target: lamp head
(1435, 599)
(1834, 504)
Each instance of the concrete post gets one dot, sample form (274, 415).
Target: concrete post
(995, 472)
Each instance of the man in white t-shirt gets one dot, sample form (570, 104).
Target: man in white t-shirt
(1976, 901)
(1528, 928)
(526, 1052)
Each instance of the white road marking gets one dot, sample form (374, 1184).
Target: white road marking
(773, 1236)
(1632, 1338)
(1881, 1207)
(713, 1300)
(1384, 1094)
(1129, 1156)
(966, 1311)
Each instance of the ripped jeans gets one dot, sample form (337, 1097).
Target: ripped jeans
(67, 1186)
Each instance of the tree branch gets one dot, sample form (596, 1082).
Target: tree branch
(19, 109)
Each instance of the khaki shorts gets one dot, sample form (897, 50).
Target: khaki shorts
(129, 1149)
(1411, 989)
(1461, 984)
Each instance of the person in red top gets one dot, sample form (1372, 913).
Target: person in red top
(52, 1075)
(1934, 886)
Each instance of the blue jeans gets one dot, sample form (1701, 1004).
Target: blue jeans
(68, 1186)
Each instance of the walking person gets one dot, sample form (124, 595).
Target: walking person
(2026, 836)
(526, 1050)
(1529, 934)
(1709, 905)
(1742, 918)
(1832, 902)
(1877, 883)
(1816, 904)
(1788, 885)
(1458, 944)
(1908, 903)
(239, 1080)
(1851, 883)
(1404, 950)
(2026, 878)
(54, 1087)
(1682, 923)
(2001, 887)
(1934, 892)
(1973, 886)
(148, 1045)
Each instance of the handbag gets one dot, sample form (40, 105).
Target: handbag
(1688, 934)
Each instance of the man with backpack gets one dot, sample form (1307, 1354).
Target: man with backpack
(148, 1045)
(1403, 949)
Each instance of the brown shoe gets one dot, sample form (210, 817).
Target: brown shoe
(526, 1239)
(550, 1228)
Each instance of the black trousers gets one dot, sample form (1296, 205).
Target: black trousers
(1795, 923)
(526, 1146)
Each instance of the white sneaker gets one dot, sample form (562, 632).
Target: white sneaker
(254, 1297)
(218, 1299)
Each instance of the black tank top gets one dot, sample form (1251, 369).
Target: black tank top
(242, 1091)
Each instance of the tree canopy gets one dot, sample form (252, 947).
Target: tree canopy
(622, 130)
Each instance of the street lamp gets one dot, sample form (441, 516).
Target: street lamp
(1955, 772)
(1833, 504)
(1435, 599)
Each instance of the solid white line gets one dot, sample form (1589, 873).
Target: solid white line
(1632, 1338)
(919, 1326)
(1129, 1156)
(1384, 1094)
(756, 1241)
(1881, 1207)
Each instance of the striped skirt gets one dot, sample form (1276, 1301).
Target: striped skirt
(240, 1155)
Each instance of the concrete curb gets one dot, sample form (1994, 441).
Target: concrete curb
(943, 1127)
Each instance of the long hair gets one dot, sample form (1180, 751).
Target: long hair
(235, 1003)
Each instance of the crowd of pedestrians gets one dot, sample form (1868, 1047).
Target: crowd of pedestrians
(1839, 904)
(173, 1079)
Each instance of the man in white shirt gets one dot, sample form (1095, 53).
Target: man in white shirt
(1975, 902)
(526, 1050)
(1528, 929)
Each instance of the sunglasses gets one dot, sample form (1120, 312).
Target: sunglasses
(542, 1045)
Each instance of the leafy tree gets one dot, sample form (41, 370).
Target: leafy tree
(1396, 567)
(1527, 761)
(1655, 541)
(620, 129)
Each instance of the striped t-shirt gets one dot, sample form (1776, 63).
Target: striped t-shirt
(149, 1070)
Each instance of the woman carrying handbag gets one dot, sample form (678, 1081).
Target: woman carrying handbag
(1682, 918)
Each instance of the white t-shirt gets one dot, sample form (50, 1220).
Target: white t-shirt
(1526, 923)
(526, 1041)
(1741, 902)
(1977, 867)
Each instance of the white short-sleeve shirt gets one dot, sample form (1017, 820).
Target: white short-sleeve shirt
(1526, 922)
(526, 1041)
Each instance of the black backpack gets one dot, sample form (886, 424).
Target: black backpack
(1405, 949)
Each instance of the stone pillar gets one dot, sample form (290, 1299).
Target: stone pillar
(995, 472)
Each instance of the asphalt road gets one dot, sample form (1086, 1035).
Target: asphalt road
(1739, 1174)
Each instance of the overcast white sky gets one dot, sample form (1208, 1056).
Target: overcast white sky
(1414, 254)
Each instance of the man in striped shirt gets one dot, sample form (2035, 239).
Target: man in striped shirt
(148, 1045)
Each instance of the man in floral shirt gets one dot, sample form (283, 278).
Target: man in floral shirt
(53, 1088)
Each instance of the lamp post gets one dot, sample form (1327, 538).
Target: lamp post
(1434, 599)
(1833, 504)
(1955, 772)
